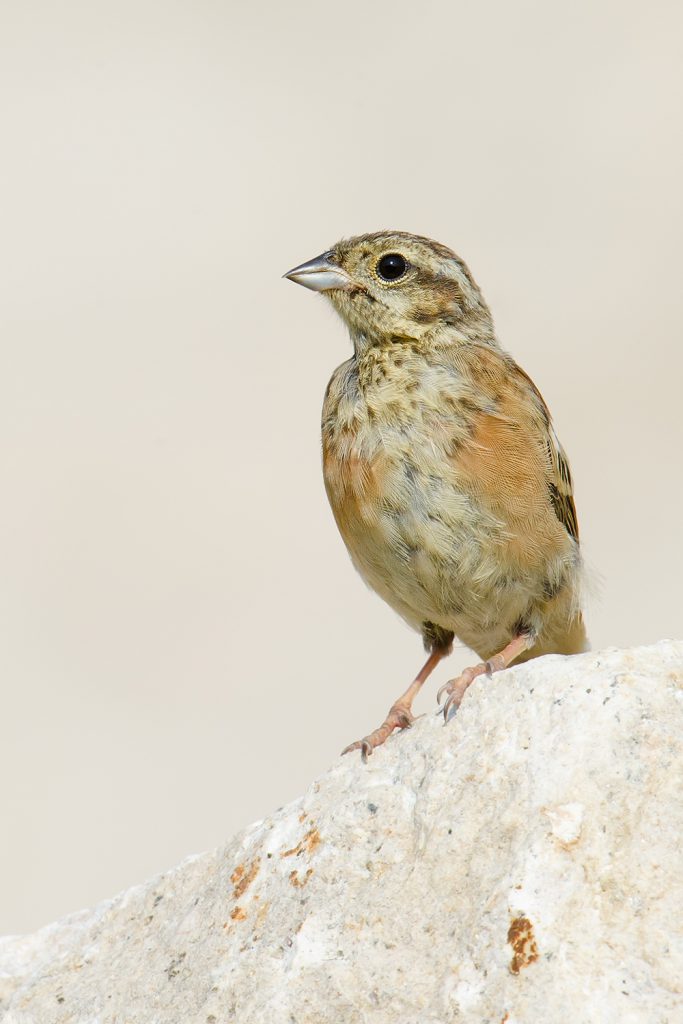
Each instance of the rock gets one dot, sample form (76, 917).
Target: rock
(522, 864)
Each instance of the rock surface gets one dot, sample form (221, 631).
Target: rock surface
(522, 864)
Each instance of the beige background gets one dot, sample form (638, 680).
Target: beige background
(184, 643)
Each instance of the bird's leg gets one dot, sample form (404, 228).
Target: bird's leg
(401, 711)
(455, 688)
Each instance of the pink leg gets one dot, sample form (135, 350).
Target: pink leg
(401, 711)
(456, 688)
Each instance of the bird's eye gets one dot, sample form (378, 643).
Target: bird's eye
(392, 266)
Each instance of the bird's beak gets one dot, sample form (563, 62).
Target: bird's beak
(321, 274)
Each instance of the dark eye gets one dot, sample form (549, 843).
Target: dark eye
(392, 266)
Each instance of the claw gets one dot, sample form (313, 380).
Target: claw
(495, 664)
(452, 702)
(451, 688)
(365, 747)
(456, 689)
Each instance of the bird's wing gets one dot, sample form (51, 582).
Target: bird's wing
(514, 458)
(560, 482)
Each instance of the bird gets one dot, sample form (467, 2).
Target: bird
(446, 479)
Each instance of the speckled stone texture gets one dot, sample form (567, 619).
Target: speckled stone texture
(522, 864)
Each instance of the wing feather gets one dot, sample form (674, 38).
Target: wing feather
(525, 453)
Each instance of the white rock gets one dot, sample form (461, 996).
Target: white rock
(522, 864)
(566, 821)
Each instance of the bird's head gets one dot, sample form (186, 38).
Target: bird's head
(392, 285)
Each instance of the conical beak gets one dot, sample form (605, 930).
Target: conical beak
(321, 274)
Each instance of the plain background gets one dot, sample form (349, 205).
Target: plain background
(184, 644)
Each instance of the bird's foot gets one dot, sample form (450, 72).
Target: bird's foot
(455, 689)
(401, 711)
(400, 717)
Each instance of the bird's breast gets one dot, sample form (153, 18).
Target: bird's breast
(399, 515)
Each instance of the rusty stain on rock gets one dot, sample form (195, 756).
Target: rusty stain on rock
(524, 948)
(299, 882)
(308, 843)
(242, 877)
